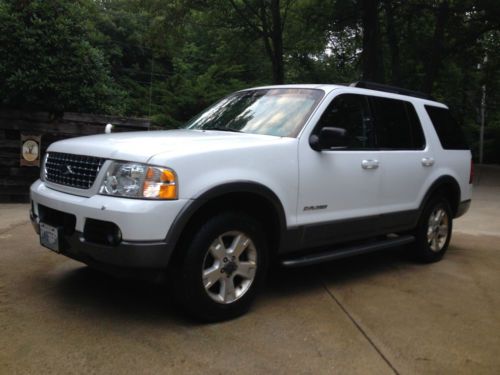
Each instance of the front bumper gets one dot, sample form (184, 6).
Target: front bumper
(143, 227)
(125, 254)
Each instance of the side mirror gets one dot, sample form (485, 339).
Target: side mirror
(327, 138)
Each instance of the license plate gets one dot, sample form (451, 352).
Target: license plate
(51, 237)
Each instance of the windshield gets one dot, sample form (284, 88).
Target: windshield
(281, 112)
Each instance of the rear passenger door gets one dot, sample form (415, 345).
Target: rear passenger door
(405, 161)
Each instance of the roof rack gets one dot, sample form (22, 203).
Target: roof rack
(386, 88)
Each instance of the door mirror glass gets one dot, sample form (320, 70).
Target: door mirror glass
(329, 138)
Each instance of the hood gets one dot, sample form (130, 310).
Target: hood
(142, 146)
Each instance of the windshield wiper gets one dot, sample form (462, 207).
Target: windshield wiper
(224, 129)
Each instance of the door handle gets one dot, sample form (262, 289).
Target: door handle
(427, 162)
(369, 164)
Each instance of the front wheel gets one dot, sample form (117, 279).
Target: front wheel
(223, 267)
(433, 233)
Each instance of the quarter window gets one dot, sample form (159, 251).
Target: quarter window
(449, 132)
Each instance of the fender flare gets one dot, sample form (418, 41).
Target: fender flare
(436, 185)
(189, 210)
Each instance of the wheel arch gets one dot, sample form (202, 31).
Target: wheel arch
(252, 197)
(449, 187)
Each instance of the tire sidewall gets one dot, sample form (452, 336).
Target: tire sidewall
(194, 297)
(423, 249)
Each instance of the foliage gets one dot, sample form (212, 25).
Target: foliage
(48, 60)
(170, 59)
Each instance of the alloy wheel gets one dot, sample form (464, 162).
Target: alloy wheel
(229, 267)
(437, 229)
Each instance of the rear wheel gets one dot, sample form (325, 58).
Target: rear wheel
(433, 233)
(223, 267)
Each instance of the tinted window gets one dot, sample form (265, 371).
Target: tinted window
(350, 112)
(396, 123)
(449, 132)
(280, 112)
(416, 127)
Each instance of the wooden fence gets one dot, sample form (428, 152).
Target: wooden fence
(16, 127)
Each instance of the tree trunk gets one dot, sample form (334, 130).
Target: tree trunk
(435, 56)
(277, 43)
(371, 56)
(270, 30)
(393, 42)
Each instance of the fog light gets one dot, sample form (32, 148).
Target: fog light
(102, 232)
(115, 237)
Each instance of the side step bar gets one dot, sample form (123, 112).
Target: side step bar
(325, 256)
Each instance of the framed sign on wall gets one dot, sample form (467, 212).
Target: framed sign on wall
(30, 150)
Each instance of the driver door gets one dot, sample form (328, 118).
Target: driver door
(339, 187)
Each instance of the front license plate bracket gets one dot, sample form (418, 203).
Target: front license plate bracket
(51, 237)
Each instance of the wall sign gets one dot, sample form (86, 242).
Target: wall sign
(30, 150)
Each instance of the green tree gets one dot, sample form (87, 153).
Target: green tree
(170, 59)
(48, 60)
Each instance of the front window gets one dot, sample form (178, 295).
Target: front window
(350, 112)
(281, 112)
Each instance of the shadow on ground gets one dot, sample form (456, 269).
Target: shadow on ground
(142, 300)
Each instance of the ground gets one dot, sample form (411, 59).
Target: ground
(375, 314)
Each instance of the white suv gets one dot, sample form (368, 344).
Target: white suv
(295, 174)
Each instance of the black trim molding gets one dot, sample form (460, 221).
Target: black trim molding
(192, 206)
(340, 231)
(439, 183)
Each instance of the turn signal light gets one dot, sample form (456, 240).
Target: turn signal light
(160, 183)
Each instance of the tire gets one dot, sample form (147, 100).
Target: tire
(433, 233)
(223, 266)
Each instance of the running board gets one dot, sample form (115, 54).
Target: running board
(326, 256)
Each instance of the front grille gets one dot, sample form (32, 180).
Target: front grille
(77, 171)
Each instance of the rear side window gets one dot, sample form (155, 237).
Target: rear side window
(449, 132)
(397, 126)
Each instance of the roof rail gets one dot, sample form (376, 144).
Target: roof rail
(386, 88)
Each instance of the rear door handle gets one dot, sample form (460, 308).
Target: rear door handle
(427, 162)
(369, 164)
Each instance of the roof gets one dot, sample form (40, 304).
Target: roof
(369, 89)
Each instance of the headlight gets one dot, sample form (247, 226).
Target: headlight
(136, 180)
